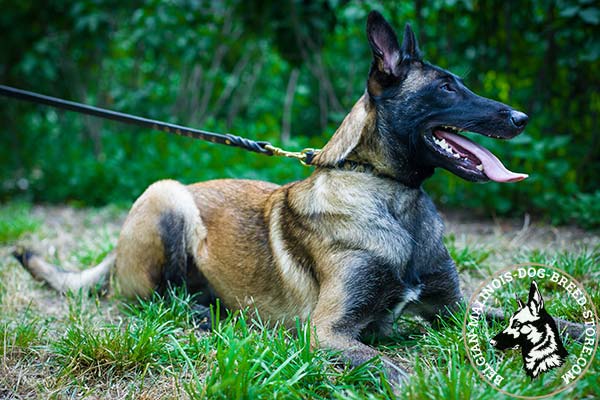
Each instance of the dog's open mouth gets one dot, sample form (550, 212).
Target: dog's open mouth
(472, 156)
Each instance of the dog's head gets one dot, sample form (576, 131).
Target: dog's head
(419, 111)
(524, 324)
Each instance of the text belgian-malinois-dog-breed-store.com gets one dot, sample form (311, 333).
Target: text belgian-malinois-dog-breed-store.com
(351, 246)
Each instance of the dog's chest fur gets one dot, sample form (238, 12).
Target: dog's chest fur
(372, 235)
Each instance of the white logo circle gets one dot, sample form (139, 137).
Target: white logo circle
(526, 355)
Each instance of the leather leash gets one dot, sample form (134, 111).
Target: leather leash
(305, 156)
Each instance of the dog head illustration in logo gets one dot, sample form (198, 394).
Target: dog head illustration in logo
(533, 330)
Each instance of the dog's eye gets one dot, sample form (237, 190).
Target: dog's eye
(446, 87)
(516, 325)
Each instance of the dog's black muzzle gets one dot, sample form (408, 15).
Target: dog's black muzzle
(503, 341)
(490, 118)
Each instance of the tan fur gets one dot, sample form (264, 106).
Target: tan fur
(64, 281)
(415, 80)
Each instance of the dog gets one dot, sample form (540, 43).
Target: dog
(350, 247)
(533, 330)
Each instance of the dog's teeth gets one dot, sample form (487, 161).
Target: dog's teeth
(446, 146)
(450, 128)
(479, 167)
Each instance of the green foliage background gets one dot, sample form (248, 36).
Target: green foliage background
(234, 65)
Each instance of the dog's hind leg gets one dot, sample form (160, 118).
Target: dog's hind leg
(159, 242)
(60, 279)
(157, 248)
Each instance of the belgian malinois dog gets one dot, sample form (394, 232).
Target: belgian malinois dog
(351, 246)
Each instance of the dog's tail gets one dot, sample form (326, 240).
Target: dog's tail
(61, 280)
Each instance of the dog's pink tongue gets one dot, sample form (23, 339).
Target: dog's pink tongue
(492, 166)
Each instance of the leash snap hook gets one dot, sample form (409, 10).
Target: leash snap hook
(305, 156)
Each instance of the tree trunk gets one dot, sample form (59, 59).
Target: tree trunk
(287, 107)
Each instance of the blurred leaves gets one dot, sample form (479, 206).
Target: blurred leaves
(227, 66)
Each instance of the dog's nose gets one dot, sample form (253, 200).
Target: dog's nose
(518, 119)
(493, 342)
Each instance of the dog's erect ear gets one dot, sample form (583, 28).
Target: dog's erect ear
(519, 302)
(535, 302)
(384, 45)
(410, 47)
(390, 60)
(357, 125)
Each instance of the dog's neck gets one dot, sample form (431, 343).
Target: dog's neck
(361, 144)
(544, 349)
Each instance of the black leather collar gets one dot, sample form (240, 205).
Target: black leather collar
(413, 180)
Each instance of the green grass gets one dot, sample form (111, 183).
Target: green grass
(128, 345)
(20, 335)
(89, 346)
(90, 254)
(251, 360)
(15, 221)
(470, 257)
(243, 357)
(583, 265)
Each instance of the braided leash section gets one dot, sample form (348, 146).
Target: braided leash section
(257, 147)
